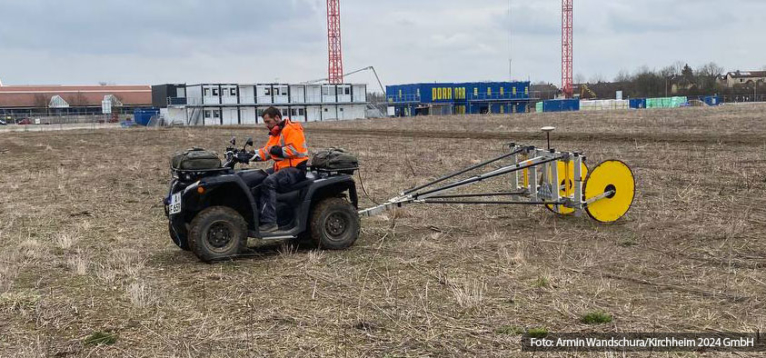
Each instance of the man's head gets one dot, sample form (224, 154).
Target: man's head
(272, 117)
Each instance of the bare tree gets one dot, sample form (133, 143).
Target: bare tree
(623, 76)
(42, 102)
(670, 71)
(710, 69)
(579, 78)
(678, 66)
(77, 100)
(706, 76)
(597, 78)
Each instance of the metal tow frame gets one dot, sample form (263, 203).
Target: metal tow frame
(542, 186)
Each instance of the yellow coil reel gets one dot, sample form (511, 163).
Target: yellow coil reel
(610, 176)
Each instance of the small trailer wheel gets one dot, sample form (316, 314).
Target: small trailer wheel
(334, 224)
(616, 178)
(567, 179)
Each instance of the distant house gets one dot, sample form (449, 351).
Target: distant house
(742, 78)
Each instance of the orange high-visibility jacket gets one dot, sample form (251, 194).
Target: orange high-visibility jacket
(293, 143)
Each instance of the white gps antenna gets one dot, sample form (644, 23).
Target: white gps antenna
(548, 131)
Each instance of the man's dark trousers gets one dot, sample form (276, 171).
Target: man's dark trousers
(282, 179)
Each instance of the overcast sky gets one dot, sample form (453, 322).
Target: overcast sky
(249, 41)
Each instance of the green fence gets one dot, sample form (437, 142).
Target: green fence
(539, 107)
(665, 102)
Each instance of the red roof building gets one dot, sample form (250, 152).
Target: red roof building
(42, 97)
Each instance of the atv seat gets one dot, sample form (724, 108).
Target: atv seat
(288, 194)
(293, 194)
(296, 187)
(253, 178)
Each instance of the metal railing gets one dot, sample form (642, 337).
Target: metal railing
(470, 97)
(197, 101)
(497, 97)
(403, 98)
(184, 101)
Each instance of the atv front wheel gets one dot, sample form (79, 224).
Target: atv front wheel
(334, 224)
(217, 233)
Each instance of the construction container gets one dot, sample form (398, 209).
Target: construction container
(604, 105)
(638, 103)
(561, 105)
(712, 100)
(142, 116)
(666, 102)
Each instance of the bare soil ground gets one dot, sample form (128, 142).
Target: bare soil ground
(84, 245)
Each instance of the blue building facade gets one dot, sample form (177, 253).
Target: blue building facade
(458, 98)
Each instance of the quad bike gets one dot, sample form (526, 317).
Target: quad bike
(212, 209)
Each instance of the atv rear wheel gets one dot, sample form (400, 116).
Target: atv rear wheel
(334, 224)
(218, 233)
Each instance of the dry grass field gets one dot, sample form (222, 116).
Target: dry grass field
(85, 255)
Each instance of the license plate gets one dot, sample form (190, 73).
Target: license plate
(175, 203)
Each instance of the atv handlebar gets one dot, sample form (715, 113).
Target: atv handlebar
(232, 153)
(234, 156)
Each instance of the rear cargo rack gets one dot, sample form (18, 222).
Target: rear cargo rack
(349, 170)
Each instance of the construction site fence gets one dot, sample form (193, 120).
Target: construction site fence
(604, 105)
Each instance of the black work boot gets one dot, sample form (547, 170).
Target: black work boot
(268, 228)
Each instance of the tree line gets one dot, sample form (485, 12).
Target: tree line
(678, 79)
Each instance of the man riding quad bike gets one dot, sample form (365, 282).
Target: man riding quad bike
(212, 208)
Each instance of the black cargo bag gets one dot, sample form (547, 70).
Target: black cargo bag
(195, 159)
(335, 160)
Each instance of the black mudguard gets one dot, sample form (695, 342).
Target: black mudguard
(323, 188)
(192, 202)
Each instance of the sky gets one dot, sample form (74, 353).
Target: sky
(407, 41)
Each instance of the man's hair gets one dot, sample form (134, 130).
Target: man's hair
(273, 112)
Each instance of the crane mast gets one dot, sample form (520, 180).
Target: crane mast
(567, 47)
(335, 67)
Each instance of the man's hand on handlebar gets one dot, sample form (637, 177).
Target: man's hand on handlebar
(245, 157)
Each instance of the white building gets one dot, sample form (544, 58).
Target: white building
(233, 104)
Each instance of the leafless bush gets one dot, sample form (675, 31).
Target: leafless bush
(78, 264)
(140, 295)
(65, 240)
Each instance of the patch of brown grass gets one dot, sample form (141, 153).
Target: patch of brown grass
(84, 245)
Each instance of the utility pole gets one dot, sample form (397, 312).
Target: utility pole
(755, 91)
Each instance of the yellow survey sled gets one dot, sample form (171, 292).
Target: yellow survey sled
(560, 181)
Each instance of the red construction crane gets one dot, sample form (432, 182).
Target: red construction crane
(567, 47)
(335, 67)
